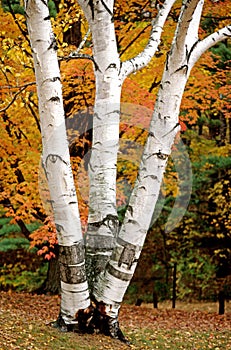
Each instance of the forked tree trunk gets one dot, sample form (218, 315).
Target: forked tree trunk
(110, 74)
(185, 51)
(56, 163)
(112, 282)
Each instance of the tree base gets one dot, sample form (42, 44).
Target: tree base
(106, 325)
(90, 321)
(62, 326)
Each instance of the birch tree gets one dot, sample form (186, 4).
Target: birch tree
(186, 49)
(110, 73)
(56, 164)
(111, 253)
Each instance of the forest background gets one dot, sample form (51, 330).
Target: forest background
(191, 259)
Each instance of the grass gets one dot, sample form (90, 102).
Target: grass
(38, 336)
(24, 320)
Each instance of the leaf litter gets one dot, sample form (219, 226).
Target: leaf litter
(24, 320)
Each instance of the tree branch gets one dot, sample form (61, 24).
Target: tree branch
(142, 59)
(3, 87)
(186, 33)
(88, 8)
(209, 42)
(22, 88)
(134, 40)
(83, 56)
(81, 45)
(24, 32)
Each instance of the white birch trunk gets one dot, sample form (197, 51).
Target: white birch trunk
(56, 162)
(110, 74)
(103, 218)
(113, 283)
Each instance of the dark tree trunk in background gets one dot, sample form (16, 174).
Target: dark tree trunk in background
(23, 228)
(155, 300)
(73, 35)
(174, 286)
(229, 130)
(51, 285)
(221, 301)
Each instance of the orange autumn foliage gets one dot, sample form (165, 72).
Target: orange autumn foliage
(21, 141)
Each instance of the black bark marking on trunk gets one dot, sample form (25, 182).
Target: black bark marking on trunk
(95, 243)
(53, 159)
(111, 65)
(130, 210)
(54, 99)
(72, 274)
(191, 50)
(169, 132)
(110, 221)
(59, 228)
(183, 67)
(51, 80)
(72, 255)
(47, 18)
(69, 258)
(123, 276)
(107, 9)
(128, 255)
(96, 115)
(153, 177)
(167, 61)
(44, 2)
(91, 4)
(53, 45)
(161, 155)
(117, 111)
(54, 79)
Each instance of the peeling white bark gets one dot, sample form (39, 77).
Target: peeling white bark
(56, 160)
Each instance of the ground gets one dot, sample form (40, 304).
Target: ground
(25, 318)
